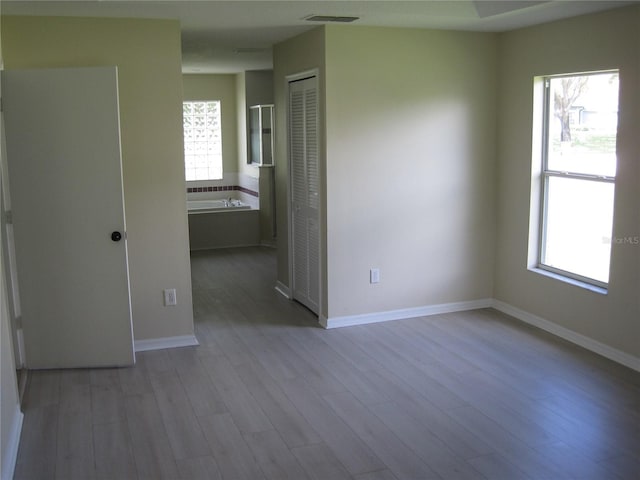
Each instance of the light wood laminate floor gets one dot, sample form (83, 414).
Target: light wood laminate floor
(269, 395)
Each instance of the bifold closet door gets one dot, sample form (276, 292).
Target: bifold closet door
(305, 189)
(65, 175)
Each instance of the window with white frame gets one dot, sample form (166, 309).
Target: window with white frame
(580, 120)
(202, 140)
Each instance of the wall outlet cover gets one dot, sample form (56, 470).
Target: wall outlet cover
(374, 275)
(170, 297)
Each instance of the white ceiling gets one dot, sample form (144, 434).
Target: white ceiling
(233, 36)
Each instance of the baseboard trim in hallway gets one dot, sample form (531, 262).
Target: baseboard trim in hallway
(404, 313)
(283, 290)
(165, 342)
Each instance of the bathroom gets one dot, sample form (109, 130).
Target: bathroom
(238, 209)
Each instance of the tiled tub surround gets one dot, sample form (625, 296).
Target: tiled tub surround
(224, 188)
(206, 206)
(233, 185)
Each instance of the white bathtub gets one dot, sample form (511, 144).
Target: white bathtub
(207, 206)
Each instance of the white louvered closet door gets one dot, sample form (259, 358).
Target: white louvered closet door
(305, 187)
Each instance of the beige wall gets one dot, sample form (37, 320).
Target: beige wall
(259, 84)
(410, 160)
(223, 88)
(148, 56)
(410, 153)
(299, 54)
(602, 41)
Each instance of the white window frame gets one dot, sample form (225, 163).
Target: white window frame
(210, 157)
(545, 173)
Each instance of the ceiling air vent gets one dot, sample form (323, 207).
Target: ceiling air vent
(240, 50)
(330, 18)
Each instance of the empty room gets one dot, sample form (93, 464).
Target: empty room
(322, 240)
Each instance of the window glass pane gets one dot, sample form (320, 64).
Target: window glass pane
(583, 121)
(202, 140)
(579, 218)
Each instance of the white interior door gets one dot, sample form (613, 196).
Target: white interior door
(305, 189)
(65, 175)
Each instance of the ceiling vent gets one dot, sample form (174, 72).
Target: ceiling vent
(241, 50)
(330, 18)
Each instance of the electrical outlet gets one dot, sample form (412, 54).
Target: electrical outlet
(374, 275)
(170, 297)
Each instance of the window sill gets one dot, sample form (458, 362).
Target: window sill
(570, 281)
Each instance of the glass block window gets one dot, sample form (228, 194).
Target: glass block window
(202, 140)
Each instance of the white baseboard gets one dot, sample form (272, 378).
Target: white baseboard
(569, 335)
(590, 344)
(235, 245)
(165, 342)
(376, 317)
(283, 290)
(11, 450)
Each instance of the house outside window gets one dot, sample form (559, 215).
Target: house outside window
(202, 140)
(578, 174)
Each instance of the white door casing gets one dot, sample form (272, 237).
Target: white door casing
(65, 173)
(9, 256)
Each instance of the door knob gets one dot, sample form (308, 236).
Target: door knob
(116, 236)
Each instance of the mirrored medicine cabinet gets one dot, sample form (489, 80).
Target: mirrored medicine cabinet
(261, 135)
